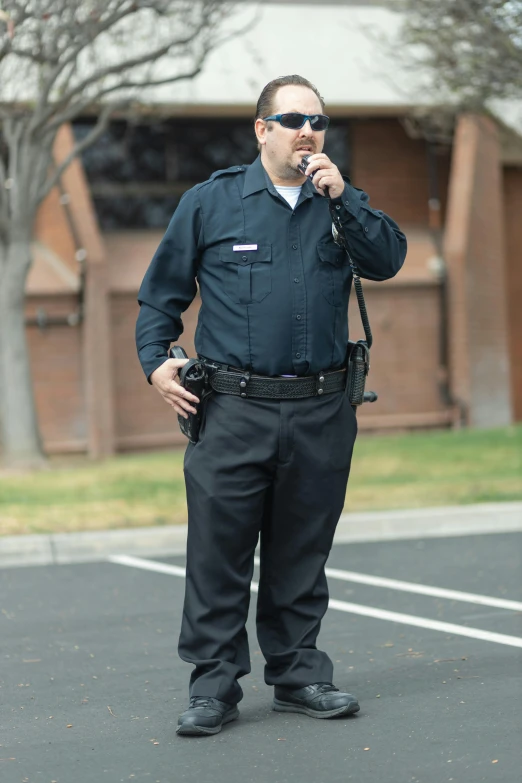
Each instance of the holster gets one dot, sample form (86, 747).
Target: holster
(357, 368)
(194, 378)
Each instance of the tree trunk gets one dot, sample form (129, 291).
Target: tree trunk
(19, 435)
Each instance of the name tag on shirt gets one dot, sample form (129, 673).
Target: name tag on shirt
(240, 248)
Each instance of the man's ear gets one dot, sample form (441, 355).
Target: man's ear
(260, 128)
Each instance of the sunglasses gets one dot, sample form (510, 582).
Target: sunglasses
(294, 121)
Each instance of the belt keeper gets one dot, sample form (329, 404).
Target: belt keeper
(243, 384)
(319, 381)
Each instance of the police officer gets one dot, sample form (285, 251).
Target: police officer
(275, 447)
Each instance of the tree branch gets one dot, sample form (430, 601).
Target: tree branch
(40, 166)
(3, 175)
(77, 108)
(473, 48)
(73, 55)
(100, 128)
(67, 36)
(147, 59)
(12, 22)
(123, 10)
(5, 47)
(3, 194)
(126, 65)
(13, 132)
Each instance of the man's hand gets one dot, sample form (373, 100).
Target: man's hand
(165, 379)
(327, 175)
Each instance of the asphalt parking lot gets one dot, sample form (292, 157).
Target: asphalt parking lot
(91, 685)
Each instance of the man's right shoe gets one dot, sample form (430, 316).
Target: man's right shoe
(205, 716)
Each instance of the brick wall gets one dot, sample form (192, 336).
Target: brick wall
(513, 235)
(404, 312)
(56, 365)
(405, 356)
(142, 418)
(393, 169)
(405, 368)
(474, 250)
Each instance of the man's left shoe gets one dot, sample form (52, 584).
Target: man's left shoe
(320, 700)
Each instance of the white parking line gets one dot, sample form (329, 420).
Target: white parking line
(424, 622)
(148, 565)
(344, 606)
(414, 587)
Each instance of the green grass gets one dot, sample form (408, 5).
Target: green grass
(388, 471)
(438, 468)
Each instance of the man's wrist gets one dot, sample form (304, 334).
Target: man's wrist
(152, 366)
(347, 205)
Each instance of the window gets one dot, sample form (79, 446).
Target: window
(138, 172)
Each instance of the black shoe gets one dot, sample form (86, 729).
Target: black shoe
(205, 716)
(320, 700)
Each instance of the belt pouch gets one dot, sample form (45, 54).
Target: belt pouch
(357, 368)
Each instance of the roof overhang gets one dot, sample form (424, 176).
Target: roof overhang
(362, 72)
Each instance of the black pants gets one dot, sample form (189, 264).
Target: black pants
(278, 470)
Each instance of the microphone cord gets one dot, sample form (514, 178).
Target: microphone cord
(341, 240)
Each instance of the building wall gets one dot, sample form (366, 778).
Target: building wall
(474, 251)
(53, 229)
(393, 169)
(56, 365)
(404, 312)
(142, 418)
(404, 373)
(512, 191)
(405, 355)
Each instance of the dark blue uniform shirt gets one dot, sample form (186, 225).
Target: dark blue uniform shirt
(274, 285)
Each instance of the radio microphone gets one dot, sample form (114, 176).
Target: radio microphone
(302, 168)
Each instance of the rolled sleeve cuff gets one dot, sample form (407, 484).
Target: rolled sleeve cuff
(348, 204)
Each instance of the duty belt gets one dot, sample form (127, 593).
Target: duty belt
(244, 384)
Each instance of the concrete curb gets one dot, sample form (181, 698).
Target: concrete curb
(61, 548)
(430, 522)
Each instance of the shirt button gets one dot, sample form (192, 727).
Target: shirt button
(296, 279)
(338, 206)
(298, 317)
(347, 203)
(294, 247)
(366, 229)
(298, 356)
(244, 258)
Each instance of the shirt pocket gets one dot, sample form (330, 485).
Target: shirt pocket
(332, 261)
(247, 274)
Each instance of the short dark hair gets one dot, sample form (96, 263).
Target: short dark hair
(266, 99)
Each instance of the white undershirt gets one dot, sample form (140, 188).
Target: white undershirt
(289, 192)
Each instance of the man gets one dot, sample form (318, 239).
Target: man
(273, 459)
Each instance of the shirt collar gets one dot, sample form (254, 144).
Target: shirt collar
(257, 179)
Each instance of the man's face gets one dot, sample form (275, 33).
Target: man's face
(282, 148)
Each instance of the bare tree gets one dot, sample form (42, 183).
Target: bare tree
(59, 59)
(473, 48)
